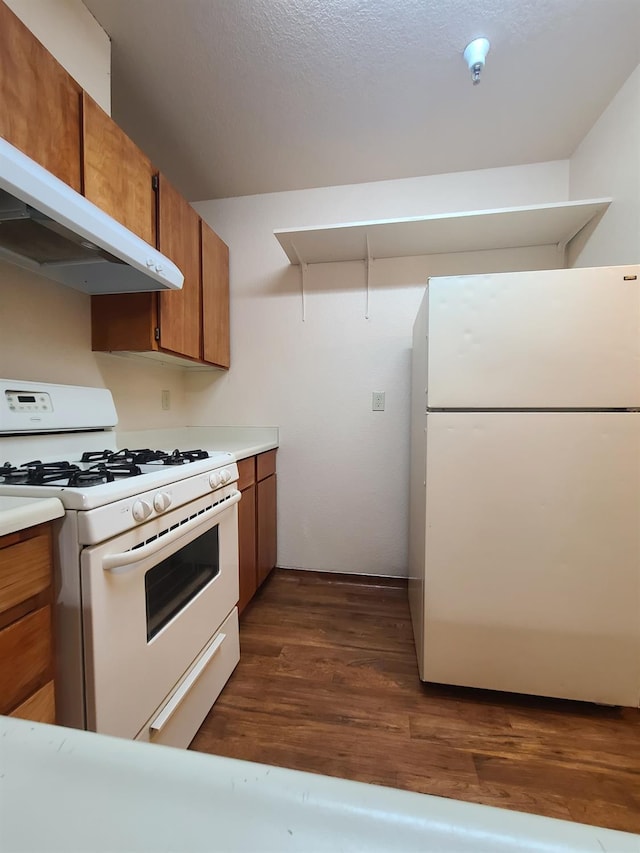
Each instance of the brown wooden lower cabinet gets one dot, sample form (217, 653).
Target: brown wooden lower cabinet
(257, 539)
(247, 546)
(266, 513)
(26, 633)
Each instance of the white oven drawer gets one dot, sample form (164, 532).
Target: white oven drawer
(176, 722)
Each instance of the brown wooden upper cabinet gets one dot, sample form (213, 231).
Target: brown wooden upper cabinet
(46, 114)
(39, 101)
(215, 298)
(191, 324)
(117, 174)
(180, 319)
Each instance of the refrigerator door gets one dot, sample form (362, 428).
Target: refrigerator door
(417, 492)
(545, 339)
(531, 576)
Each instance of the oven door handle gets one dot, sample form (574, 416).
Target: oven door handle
(172, 705)
(110, 562)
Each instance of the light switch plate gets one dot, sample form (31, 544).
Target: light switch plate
(377, 401)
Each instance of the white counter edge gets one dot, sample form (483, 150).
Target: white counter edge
(20, 513)
(96, 793)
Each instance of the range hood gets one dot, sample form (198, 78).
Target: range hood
(50, 229)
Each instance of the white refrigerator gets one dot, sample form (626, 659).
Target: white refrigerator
(524, 545)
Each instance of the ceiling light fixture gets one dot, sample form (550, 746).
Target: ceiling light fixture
(475, 54)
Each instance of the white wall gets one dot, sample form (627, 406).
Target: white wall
(607, 163)
(45, 328)
(343, 469)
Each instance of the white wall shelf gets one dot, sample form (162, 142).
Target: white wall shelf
(506, 228)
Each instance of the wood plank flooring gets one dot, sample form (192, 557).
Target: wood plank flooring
(328, 682)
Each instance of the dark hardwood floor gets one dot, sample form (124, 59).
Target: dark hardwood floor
(328, 683)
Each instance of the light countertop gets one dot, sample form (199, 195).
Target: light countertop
(241, 441)
(67, 790)
(20, 513)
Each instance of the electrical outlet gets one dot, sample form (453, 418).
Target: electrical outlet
(166, 400)
(377, 401)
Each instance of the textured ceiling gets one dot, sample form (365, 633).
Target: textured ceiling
(234, 97)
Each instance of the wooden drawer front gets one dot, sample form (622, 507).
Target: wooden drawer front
(25, 569)
(266, 464)
(41, 707)
(25, 658)
(247, 472)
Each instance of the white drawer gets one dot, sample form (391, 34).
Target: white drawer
(177, 720)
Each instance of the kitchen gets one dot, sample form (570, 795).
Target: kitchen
(336, 341)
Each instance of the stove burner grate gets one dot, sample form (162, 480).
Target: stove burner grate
(103, 472)
(146, 456)
(181, 457)
(39, 473)
(105, 466)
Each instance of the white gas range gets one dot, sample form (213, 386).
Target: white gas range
(146, 562)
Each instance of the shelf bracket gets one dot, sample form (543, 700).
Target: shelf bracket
(303, 279)
(561, 248)
(304, 269)
(368, 263)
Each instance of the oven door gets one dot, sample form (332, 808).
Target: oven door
(152, 599)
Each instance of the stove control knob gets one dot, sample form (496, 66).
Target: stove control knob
(215, 480)
(141, 510)
(161, 501)
(225, 475)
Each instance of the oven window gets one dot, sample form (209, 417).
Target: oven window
(172, 584)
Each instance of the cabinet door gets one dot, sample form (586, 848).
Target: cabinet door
(39, 102)
(179, 239)
(117, 175)
(267, 538)
(247, 546)
(124, 321)
(215, 298)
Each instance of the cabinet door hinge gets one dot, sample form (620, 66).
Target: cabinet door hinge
(154, 183)
(156, 333)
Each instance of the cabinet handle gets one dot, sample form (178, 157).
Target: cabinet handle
(169, 709)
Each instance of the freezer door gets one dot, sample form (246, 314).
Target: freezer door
(532, 565)
(546, 339)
